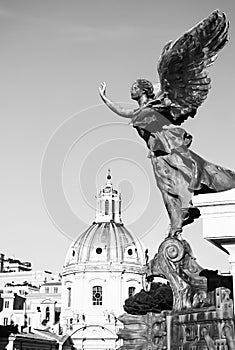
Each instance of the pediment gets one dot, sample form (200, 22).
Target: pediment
(94, 332)
(48, 301)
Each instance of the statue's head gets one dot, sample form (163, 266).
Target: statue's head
(140, 87)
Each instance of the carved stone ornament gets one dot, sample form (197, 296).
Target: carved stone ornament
(175, 261)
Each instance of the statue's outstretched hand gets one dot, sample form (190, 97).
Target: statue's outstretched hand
(122, 112)
(102, 90)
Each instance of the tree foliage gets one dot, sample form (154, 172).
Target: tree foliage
(159, 298)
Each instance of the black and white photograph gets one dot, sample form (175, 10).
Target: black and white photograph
(117, 175)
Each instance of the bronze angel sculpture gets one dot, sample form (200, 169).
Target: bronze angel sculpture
(184, 85)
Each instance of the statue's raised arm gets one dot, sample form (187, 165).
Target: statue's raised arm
(115, 107)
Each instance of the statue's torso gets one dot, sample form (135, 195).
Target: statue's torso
(161, 136)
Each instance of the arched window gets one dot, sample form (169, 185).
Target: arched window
(97, 295)
(47, 313)
(69, 296)
(106, 207)
(131, 291)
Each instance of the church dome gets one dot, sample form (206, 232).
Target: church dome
(107, 240)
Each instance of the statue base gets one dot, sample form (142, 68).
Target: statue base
(200, 319)
(175, 262)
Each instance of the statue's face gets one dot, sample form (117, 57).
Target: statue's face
(136, 92)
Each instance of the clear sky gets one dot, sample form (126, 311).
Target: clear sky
(58, 140)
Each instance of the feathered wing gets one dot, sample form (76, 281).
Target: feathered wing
(182, 66)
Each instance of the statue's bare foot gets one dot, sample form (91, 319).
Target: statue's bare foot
(190, 214)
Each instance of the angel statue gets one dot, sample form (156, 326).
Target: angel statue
(184, 85)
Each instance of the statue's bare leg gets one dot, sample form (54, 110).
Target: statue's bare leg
(174, 210)
(180, 209)
(173, 175)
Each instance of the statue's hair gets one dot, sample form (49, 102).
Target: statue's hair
(146, 86)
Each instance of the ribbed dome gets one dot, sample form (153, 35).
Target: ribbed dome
(106, 242)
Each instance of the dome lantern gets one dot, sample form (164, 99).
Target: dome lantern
(108, 203)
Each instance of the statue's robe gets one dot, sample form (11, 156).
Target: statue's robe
(179, 172)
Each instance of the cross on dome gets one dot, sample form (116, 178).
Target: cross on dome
(109, 177)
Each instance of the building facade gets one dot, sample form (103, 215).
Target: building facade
(29, 299)
(218, 223)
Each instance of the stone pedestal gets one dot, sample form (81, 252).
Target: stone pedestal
(143, 332)
(200, 319)
(201, 329)
(208, 328)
